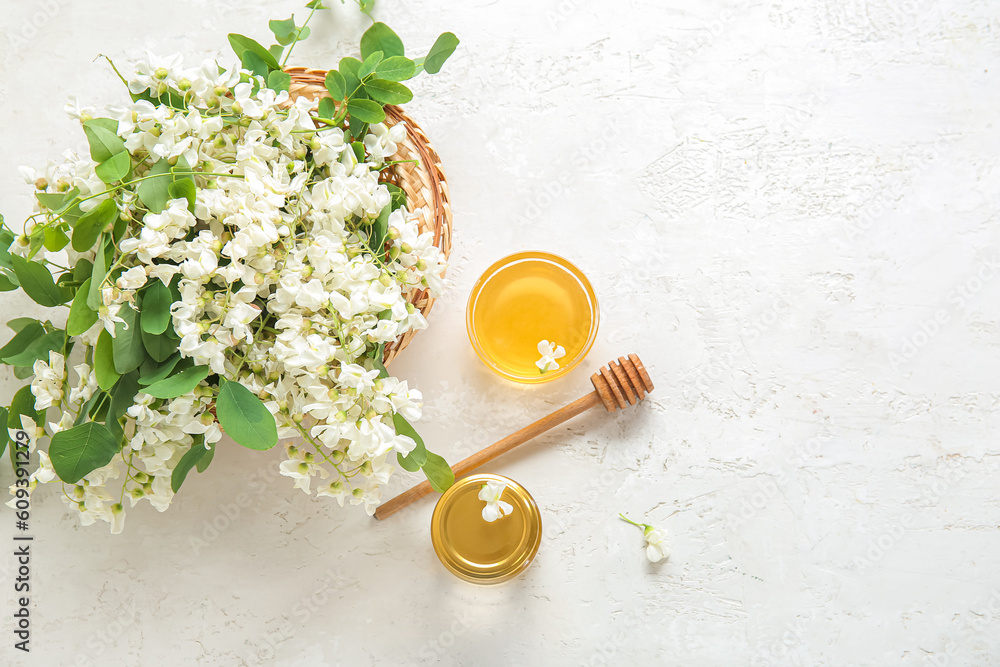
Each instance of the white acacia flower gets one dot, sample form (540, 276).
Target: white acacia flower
(133, 279)
(47, 385)
(86, 384)
(656, 547)
(381, 141)
(550, 352)
(337, 490)
(495, 508)
(45, 472)
(302, 472)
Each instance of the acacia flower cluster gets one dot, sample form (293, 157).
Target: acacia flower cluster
(235, 264)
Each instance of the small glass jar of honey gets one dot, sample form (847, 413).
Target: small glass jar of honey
(481, 551)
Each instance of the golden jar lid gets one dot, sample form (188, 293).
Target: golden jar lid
(481, 551)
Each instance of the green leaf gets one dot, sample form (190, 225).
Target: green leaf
(379, 231)
(54, 201)
(369, 65)
(284, 31)
(396, 68)
(104, 141)
(127, 346)
(380, 37)
(122, 398)
(19, 323)
(6, 238)
(94, 298)
(115, 168)
(377, 360)
(100, 410)
(316, 4)
(31, 331)
(90, 225)
(179, 384)
(398, 196)
(191, 457)
(358, 131)
(388, 92)
(81, 450)
(243, 44)
(159, 347)
(205, 460)
(366, 5)
(438, 472)
(276, 50)
(253, 62)
(153, 192)
(336, 86)
(156, 372)
(442, 49)
(155, 307)
(183, 188)
(83, 270)
(86, 407)
(180, 171)
(37, 348)
(366, 111)
(244, 418)
(23, 404)
(109, 124)
(4, 433)
(118, 231)
(359, 150)
(81, 316)
(416, 458)
(8, 283)
(36, 281)
(279, 81)
(104, 365)
(55, 238)
(327, 108)
(349, 68)
(66, 205)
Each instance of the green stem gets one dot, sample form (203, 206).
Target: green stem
(80, 200)
(639, 525)
(298, 31)
(318, 448)
(394, 162)
(110, 62)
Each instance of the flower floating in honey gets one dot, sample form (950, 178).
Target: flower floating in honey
(550, 352)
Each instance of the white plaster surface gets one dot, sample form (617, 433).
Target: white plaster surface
(774, 200)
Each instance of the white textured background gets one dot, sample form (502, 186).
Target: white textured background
(775, 202)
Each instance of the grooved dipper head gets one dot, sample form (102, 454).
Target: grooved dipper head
(622, 383)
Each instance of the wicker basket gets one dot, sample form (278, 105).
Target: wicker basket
(423, 182)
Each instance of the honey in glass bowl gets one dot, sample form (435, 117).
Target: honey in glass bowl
(526, 298)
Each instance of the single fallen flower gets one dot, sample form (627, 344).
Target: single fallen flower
(495, 508)
(656, 548)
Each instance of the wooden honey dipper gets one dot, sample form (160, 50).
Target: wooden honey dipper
(616, 386)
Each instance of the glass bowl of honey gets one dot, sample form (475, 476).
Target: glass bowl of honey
(526, 298)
